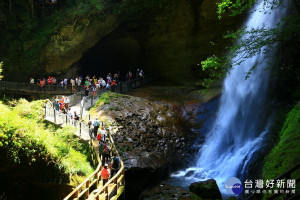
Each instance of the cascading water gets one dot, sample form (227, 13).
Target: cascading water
(242, 121)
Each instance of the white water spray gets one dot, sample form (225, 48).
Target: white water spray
(240, 126)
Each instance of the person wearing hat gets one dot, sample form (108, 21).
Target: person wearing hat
(105, 174)
(96, 125)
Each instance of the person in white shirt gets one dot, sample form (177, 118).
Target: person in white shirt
(72, 81)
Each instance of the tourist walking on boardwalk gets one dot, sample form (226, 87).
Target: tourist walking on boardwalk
(72, 81)
(94, 89)
(106, 151)
(67, 102)
(86, 90)
(103, 133)
(56, 103)
(105, 174)
(101, 148)
(96, 125)
(54, 80)
(76, 117)
(66, 83)
(61, 84)
(115, 164)
(103, 84)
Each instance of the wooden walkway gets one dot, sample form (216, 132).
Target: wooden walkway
(122, 87)
(36, 89)
(92, 187)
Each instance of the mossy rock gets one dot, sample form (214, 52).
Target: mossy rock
(206, 189)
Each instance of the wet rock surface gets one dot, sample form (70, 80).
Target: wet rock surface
(149, 134)
(154, 135)
(206, 189)
(164, 192)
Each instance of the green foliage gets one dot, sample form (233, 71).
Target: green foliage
(24, 32)
(106, 98)
(257, 41)
(26, 139)
(239, 6)
(216, 68)
(236, 7)
(287, 152)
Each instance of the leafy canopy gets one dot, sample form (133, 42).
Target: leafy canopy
(259, 40)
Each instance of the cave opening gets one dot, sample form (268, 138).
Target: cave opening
(110, 55)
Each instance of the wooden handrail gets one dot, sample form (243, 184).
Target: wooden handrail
(115, 178)
(117, 181)
(85, 186)
(79, 187)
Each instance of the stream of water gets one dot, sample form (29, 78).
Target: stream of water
(241, 123)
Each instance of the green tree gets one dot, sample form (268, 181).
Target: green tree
(259, 41)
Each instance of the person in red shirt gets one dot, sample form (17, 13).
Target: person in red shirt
(42, 83)
(49, 81)
(105, 174)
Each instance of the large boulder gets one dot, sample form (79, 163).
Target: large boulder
(206, 189)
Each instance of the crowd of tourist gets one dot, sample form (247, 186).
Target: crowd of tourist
(110, 164)
(62, 106)
(93, 83)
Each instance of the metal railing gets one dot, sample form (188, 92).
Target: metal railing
(114, 187)
(122, 87)
(34, 88)
(116, 184)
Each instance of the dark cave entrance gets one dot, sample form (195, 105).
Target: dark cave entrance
(110, 55)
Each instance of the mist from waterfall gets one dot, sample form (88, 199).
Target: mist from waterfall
(242, 122)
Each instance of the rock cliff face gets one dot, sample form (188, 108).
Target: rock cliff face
(67, 46)
(149, 134)
(151, 138)
(171, 42)
(170, 39)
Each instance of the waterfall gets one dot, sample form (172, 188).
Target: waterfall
(241, 122)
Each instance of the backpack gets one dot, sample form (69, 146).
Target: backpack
(99, 136)
(106, 149)
(101, 146)
(116, 161)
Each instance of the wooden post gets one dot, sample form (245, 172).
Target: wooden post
(54, 116)
(106, 192)
(80, 129)
(116, 188)
(87, 194)
(66, 119)
(96, 177)
(76, 193)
